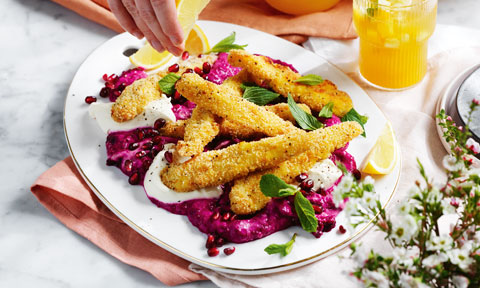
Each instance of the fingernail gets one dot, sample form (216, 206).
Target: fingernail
(156, 44)
(176, 40)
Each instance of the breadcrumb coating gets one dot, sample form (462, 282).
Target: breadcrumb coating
(280, 78)
(135, 97)
(200, 129)
(216, 167)
(225, 103)
(246, 196)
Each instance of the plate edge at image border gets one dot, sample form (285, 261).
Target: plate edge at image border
(188, 257)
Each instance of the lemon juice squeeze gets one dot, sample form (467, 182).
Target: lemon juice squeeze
(393, 40)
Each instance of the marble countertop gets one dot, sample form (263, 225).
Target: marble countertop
(43, 46)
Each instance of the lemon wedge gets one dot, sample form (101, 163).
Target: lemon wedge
(383, 156)
(149, 58)
(197, 42)
(187, 13)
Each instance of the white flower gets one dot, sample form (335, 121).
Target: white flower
(376, 278)
(473, 145)
(368, 180)
(442, 242)
(450, 163)
(460, 281)
(460, 257)
(407, 281)
(344, 186)
(414, 191)
(448, 205)
(404, 228)
(405, 257)
(474, 171)
(369, 199)
(404, 209)
(337, 197)
(434, 195)
(435, 259)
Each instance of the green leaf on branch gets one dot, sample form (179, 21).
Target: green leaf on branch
(282, 249)
(310, 79)
(353, 115)
(305, 213)
(167, 83)
(227, 44)
(305, 120)
(272, 186)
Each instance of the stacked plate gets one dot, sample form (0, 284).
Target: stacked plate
(457, 99)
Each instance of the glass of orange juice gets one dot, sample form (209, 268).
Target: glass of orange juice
(393, 40)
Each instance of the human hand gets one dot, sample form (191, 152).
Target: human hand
(156, 20)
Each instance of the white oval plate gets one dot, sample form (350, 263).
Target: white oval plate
(174, 233)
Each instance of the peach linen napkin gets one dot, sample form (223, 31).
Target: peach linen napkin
(412, 113)
(63, 192)
(335, 23)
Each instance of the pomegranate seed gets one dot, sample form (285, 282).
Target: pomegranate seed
(205, 76)
(146, 164)
(128, 165)
(133, 146)
(140, 135)
(134, 179)
(116, 93)
(216, 215)
(174, 68)
(90, 99)
(109, 85)
(305, 192)
(168, 156)
(206, 67)
(155, 151)
(318, 209)
(177, 95)
(212, 252)
(219, 242)
(140, 154)
(147, 145)
(229, 251)
(226, 216)
(159, 123)
(234, 217)
(157, 139)
(198, 71)
(111, 162)
(302, 177)
(210, 242)
(121, 87)
(160, 147)
(322, 192)
(185, 55)
(188, 70)
(104, 92)
(105, 77)
(342, 229)
(357, 174)
(307, 184)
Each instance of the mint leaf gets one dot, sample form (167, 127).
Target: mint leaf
(304, 119)
(282, 249)
(326, 111)
(227, 44)
(244, 85)
(272, 186)
(353, 115)
(259, 95)
(305, 213)
(310, 79)
(167, 83)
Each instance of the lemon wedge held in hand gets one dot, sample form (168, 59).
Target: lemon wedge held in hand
(149, 58)
(187, 13)
(383, 156)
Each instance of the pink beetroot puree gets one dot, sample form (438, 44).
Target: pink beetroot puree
(133, 152)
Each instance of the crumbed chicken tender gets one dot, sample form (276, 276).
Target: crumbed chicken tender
(200, 129)
(283, 111)
(280, 78)
(135, 97)
(216, 167)
(224, 102)
(246, 196)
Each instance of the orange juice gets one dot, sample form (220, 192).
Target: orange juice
(393, 40)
